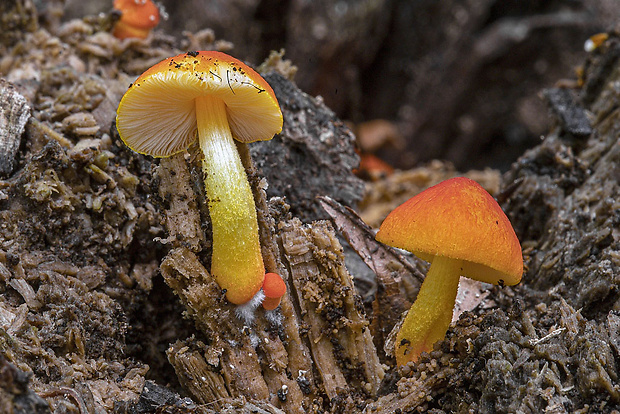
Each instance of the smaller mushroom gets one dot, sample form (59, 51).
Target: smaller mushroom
(461, 230)
(273, 288)
(138, 18)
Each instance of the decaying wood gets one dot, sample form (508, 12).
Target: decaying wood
(413, 392)
(84, 312)
(248, 356)
(276, 356)
(206, 304)
(182, 214)
(297, 349)
(330, 308)
(398, 279)
(196, 375)
(313, 155)
(14, 113)
(565, 203)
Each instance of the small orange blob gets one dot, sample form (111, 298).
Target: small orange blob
(373, 167)
(274, 288)
(138, 17)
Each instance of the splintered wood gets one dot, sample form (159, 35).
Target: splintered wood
(258, 358)
(14, 113)
(206, 304)
(252, 361)
(313, 351)
(182, 214)
(340, 341)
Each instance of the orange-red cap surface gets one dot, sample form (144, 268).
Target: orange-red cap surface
(273, 288)
(457, 218)
(142, 14)
(157, 117)
(138, 17)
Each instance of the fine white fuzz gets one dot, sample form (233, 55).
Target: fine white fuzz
(247, 311)
(254, 340)
(274, 317)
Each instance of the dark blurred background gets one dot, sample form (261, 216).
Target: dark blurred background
(456, 80)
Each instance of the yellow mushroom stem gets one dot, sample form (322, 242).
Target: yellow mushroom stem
(431, 313)
(237, 263)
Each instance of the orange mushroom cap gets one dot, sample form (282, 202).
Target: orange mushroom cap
(138, 17)
(273, 288)
(457, 218)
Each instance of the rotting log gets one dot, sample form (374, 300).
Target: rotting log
(338, 333)
(316, 344)
(182, 213)
(249, 356)
(14, 113)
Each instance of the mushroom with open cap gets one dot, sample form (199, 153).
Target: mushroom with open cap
(138, 18)
(461, 230)
(273, 288)
(216, 98)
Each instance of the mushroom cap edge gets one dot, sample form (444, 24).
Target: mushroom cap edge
(457, 218)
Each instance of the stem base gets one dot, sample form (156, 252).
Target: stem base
(430, 315)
